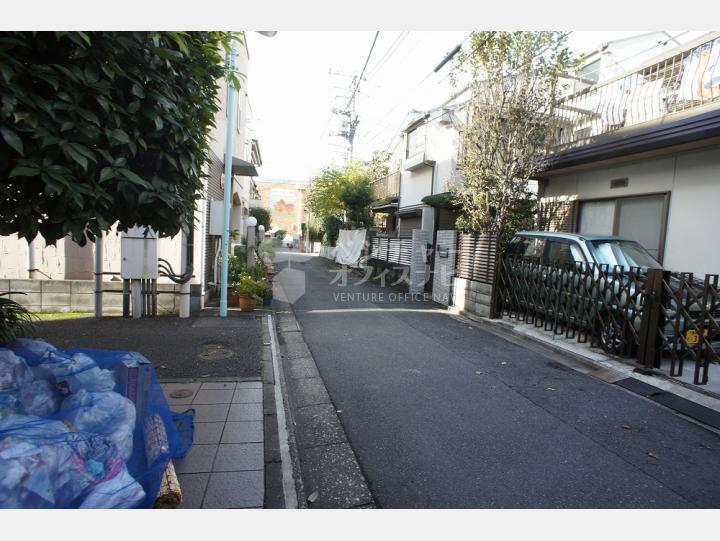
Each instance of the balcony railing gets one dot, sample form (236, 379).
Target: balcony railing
(684, 81)
(387, 187)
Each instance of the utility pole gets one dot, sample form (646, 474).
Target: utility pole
(345, 115)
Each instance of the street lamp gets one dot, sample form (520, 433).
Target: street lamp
(250, 236)
(227, 200)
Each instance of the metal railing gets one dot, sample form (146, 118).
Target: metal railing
(391, 250)
(387, 187)
(686, 80)
(663, 320)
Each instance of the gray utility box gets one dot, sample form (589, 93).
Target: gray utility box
(139, 254)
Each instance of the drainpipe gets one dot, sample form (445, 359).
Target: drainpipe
(227, 202)
(98, 274)
(31, 260)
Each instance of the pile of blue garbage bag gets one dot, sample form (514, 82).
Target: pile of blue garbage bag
(83, 428)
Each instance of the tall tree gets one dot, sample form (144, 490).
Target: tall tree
(104, 127)
(515, 82)
(340, 197)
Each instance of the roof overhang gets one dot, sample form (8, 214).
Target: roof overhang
(243, 168)
(415, 210)
(645, 138)
(388, 208)
(415, 123)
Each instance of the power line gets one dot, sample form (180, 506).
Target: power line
(394, 46)
(445, 60)
(357, 84)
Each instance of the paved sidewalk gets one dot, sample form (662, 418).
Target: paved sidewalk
(225, 466)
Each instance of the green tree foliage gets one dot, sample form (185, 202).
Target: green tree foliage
(331, 227)
(323, 197)
(341, 197)
(379, 164)
(515, 81)
(357, 197)
(262, 215)
(104, 127)
(15, 320)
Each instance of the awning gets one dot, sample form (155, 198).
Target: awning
(243, 168)
(387, 207)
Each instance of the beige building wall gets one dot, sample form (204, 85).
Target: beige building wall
(691, 179)
(286, 202)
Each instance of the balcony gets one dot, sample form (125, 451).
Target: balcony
(387, 187)
(687, 81)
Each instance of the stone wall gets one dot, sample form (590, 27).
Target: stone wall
(471, 296)
(79, 296)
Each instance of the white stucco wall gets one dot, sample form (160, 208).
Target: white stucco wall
(693, 180)
(414, 185)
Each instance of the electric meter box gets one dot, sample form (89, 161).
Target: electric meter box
(139, 259)
(216, 217)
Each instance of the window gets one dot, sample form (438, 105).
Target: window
(415, 141)
(639, 218)
(563, 253)
(531, 247)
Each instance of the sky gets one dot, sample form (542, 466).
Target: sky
(292, 90)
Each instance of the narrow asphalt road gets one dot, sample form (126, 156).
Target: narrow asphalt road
(443, 414)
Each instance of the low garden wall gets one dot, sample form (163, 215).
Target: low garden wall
(471, 296)
(79, 295)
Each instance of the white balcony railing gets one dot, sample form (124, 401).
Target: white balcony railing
(687, 80)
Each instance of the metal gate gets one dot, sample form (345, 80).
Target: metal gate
(650, 315)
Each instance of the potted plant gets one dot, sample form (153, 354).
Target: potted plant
(267, 294)
(248, 290)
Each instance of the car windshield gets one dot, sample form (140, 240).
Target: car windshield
(623, 252)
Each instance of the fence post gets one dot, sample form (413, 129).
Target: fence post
(650, 341)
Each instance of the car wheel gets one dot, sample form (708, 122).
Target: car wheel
(610, 335)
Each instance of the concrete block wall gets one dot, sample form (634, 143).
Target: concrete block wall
(419, 271)
(328, 252)
(79, 296)
(471, 296)
(444, 269)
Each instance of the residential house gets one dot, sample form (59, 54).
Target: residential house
(638, 156)
(424, 162)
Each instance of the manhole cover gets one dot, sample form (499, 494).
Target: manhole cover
(215, 352)
(181, 393)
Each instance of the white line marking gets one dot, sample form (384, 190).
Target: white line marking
(288, 481)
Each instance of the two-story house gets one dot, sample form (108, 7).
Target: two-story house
(638, 156)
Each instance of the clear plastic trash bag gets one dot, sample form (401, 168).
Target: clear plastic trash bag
(32, 349)
(38, 397)
(106, 413)
(72, 373)
(45, 465)
(14, 371)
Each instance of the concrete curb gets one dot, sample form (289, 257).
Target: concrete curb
(280, 419)
(330, 474)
